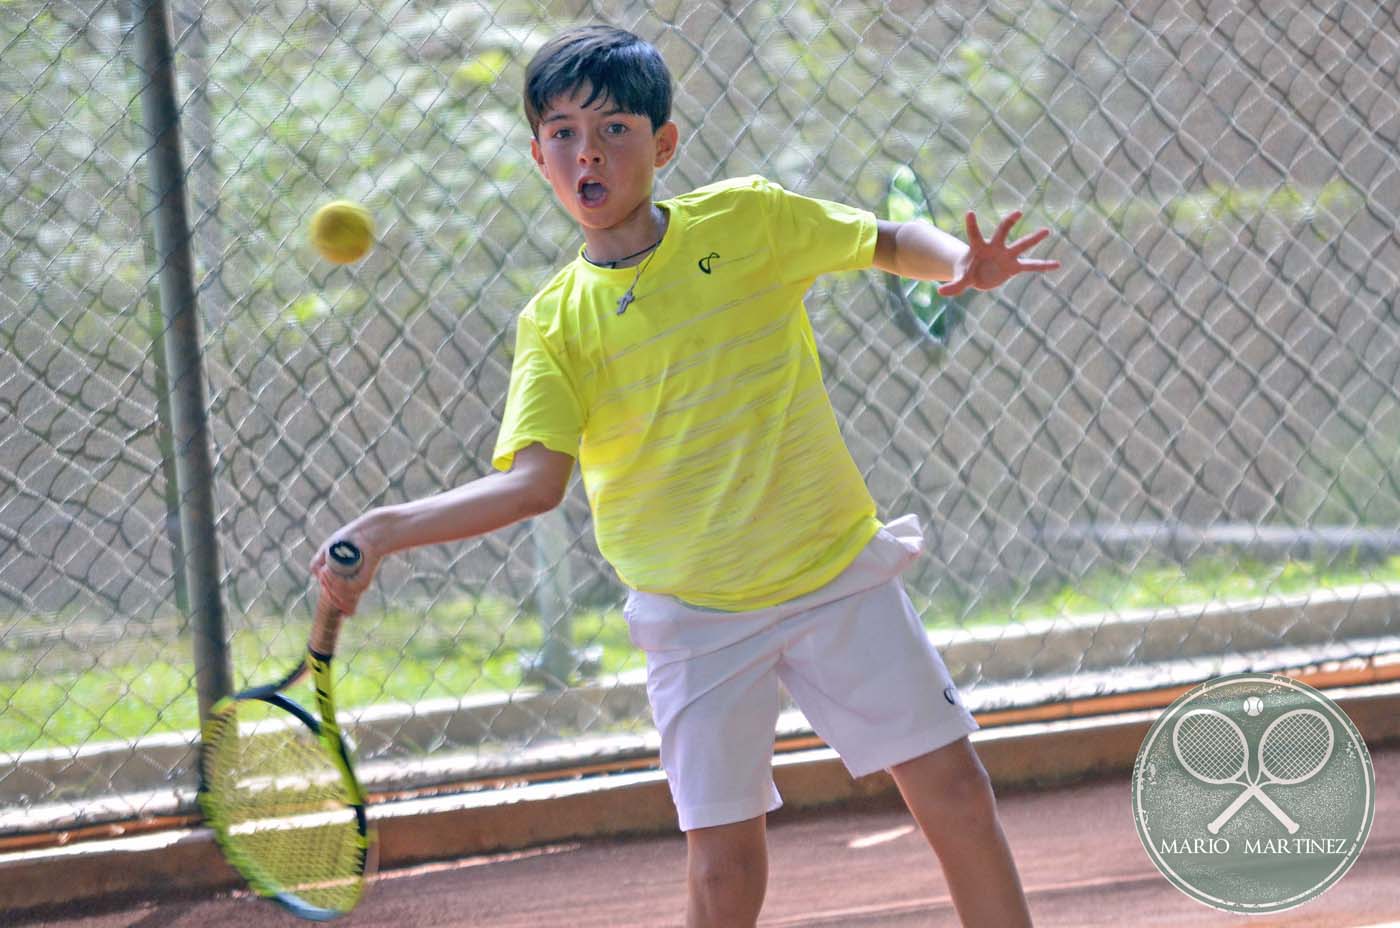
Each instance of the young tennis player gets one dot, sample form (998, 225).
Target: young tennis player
(674, 360)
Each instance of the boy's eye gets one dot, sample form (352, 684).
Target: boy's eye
(616, 128)
(562, 133)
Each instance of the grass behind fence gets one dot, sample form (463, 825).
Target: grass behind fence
(474, 646)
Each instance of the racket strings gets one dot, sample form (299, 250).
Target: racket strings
(283, 812)
(1296, 747)
(1210, 747)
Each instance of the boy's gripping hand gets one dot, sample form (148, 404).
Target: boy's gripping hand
(988, 264)
(345, 592)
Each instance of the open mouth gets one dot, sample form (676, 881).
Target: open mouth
(592, 193)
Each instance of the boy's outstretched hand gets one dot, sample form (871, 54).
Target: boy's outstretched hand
(989, 264)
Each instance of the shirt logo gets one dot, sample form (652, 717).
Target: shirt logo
(705, 261)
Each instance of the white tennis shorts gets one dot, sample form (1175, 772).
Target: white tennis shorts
(853, 655)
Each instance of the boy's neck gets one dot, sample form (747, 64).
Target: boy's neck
(630, 241)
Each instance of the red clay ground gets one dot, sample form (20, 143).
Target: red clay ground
(1077, 849)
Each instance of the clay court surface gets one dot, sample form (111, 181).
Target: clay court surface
(1078, 852)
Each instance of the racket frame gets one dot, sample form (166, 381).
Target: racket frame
(1235, 778)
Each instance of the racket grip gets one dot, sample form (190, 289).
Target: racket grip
(342, 559)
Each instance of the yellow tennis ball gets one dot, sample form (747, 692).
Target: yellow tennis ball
(342, 231)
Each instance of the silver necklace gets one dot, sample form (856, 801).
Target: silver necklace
(627, 298)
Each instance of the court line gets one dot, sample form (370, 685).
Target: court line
(879, 837)
(480, 861)
(936, 903)
(933, 903)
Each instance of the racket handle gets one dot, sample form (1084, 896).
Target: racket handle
(1256, 792)
(342, 559)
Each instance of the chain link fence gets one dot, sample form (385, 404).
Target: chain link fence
(1176, 456)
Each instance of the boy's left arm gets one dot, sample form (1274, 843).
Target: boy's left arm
(925, 252)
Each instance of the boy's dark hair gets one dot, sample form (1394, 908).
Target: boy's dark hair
(615, 64)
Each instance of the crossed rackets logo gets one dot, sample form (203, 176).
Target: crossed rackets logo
(1213, 748)
(1303, 757)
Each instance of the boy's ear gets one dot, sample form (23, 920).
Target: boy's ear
(539, 157)
(667, 140)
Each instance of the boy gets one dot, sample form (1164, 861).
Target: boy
(674, 359)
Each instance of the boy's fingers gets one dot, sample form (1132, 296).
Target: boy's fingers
(1003, 230)
(1030, 241)
(974, 233)
(1034, 265)
(953, 288)
(331, 592)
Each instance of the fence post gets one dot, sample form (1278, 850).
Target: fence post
(155, 326)
(193, 468)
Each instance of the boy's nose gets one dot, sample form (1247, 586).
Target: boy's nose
(590, 155)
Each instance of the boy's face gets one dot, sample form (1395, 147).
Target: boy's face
(600, 160)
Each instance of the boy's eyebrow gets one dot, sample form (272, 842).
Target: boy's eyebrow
(555, 117)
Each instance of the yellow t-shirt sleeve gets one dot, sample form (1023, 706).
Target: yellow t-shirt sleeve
(542, 404)
(811, 237)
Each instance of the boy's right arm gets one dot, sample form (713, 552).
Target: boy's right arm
(535, 484)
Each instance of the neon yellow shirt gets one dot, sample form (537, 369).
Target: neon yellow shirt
(708, 446)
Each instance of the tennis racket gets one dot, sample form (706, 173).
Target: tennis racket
(1295, 746)
(1213, 749)
(918, 308)
(277, 787)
